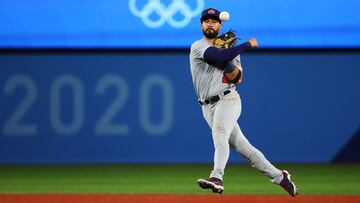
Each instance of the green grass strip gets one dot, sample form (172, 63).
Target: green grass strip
(177, 179)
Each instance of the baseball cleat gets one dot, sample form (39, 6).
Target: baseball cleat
(214, 184)
(288, 185)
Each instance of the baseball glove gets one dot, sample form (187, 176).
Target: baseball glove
(232, 73)
(226, 40)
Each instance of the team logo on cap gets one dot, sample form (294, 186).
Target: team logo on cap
(165, 13)
(211, 11)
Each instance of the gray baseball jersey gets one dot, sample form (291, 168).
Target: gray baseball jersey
(207, 79)
(222, 117)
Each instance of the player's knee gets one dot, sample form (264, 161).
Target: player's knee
(218, 132)
(245, 149)
(220, 138)
(220, 143)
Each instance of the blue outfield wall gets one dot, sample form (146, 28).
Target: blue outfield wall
(118, 107)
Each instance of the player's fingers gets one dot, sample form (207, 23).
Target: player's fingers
(255, 44)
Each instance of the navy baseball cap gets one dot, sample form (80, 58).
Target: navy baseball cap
(210, 13)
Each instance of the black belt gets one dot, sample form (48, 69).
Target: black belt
(213, 99)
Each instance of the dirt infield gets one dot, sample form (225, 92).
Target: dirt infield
(172, 198)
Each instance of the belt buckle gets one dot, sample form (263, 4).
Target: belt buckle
(214, 99)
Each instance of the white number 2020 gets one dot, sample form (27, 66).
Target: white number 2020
(104, 125)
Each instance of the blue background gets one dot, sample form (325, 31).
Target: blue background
(297, 107)
(116, 103)
(110, 24)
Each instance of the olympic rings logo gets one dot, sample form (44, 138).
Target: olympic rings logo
(166, 13)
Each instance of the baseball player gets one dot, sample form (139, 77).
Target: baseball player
(221, 105)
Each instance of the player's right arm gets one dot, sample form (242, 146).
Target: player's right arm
(215, 55)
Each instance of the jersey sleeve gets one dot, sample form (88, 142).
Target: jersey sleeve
(219, 56)
(198, 49)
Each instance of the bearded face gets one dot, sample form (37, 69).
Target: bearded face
(210, 33)
(210, 28)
